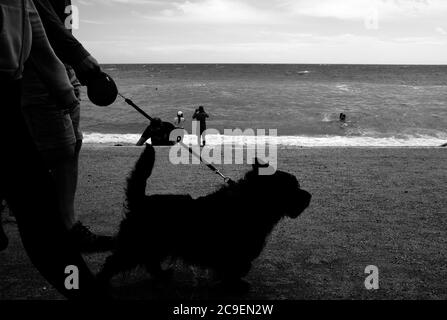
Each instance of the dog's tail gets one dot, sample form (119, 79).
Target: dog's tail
(136, 183)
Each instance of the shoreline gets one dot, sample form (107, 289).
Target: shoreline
(246, 139)
(94, 145)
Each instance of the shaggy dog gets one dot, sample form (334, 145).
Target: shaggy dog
(223, 231)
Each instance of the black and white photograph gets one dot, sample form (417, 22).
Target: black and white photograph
(202, 151)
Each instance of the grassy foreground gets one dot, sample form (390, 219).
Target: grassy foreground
(383, 207)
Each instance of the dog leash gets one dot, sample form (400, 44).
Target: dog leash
(209, 165)
(226, 179)
(133, 105)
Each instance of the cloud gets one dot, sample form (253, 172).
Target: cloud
(344, 48)
(215, 12)
(84, 3)
(145, 2)
(265, 31)
(441, 31)
(361, 9)
(93, 22)
(422, 41)
(347, 9)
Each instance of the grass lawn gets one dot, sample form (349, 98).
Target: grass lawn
(382, 207)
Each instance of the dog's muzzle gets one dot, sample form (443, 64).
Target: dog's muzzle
(303, 199)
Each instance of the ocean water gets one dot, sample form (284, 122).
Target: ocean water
(385, 105)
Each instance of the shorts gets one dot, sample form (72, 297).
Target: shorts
(50, 127)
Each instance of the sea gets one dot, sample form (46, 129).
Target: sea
(385, 105)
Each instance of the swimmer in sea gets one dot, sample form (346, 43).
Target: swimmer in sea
(343, 123)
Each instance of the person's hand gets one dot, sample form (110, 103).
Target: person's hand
(88, 68)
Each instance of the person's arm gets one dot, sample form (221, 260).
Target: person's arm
(147, 134)
(49, 68)
(65, 45)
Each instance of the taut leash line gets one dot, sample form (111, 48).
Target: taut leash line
(209, 165)
(133, 105)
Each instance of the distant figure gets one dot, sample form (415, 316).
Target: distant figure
(159, 132)
(179, 120)
(200, 115)
(342, 117)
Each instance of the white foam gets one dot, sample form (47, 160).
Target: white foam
(343, 87)
(328, 117)
(287, 141)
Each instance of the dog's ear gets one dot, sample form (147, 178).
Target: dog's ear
(259, 164)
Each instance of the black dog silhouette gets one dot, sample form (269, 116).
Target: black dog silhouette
(223, 231)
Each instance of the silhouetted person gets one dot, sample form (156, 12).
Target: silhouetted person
(342, 117)
(159, 133)
(201, 116)
(25, 181)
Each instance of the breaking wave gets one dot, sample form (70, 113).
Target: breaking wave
(285, 141)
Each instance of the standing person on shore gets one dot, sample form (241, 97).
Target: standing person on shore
(201, 116)
(25, 182)
(57, 133)
(179, 120)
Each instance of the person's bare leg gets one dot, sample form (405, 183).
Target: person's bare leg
(202, 137)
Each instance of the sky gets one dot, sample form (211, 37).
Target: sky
(264, 31)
